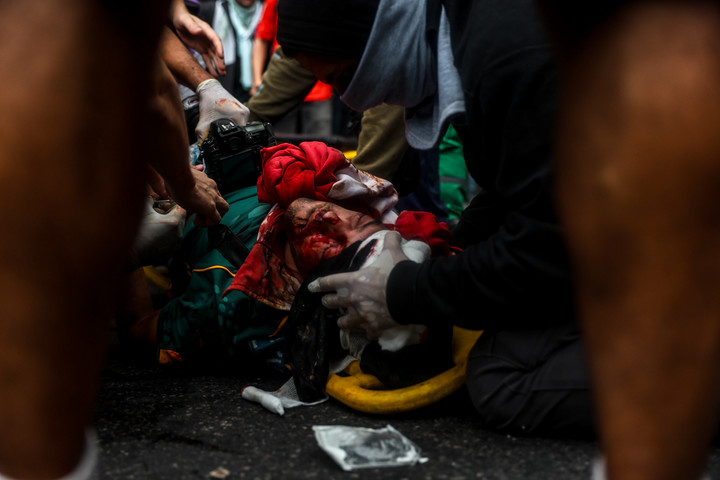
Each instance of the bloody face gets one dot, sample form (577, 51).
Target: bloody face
(319, 230)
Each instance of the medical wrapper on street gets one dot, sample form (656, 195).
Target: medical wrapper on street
(358, 447)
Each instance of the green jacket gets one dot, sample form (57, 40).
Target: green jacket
(199, 322)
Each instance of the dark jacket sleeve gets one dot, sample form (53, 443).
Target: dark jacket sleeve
(514, 270)
(516, 278)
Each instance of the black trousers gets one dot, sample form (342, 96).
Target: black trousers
(532, 382)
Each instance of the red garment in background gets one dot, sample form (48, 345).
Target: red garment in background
(266, 30)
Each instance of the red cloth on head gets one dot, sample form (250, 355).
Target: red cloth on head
(291, 172)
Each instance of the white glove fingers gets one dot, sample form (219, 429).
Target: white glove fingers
(393, 242)
(332, 283)
(332, 300)
(350, 321)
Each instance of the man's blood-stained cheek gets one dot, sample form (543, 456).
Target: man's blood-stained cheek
(314, 248)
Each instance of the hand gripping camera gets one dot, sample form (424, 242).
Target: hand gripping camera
(231, 153)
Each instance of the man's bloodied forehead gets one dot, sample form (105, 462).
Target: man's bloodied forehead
(299, 211)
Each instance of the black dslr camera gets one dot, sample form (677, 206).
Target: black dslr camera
(231, 153)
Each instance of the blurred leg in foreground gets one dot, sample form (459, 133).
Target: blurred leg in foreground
(74, 136)
(639, 177)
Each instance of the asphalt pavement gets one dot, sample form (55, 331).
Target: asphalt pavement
(182, 424)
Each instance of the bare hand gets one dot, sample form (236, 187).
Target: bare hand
(202, 198)
(157, 183)
(200, 36)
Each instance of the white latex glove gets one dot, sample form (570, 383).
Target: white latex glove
(363, 292)
(159, 234)
(215, 102)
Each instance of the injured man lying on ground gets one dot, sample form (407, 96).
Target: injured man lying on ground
(239, 290)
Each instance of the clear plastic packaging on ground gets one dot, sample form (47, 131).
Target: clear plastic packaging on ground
(359, 447)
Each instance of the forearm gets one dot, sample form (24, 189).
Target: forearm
(259, 58)
(183, 66)
(170, 158)
(191, 189)
(501, 283)
(177, 8)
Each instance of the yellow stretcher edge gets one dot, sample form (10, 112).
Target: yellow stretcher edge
(363, 392)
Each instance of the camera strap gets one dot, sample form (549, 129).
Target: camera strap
(228, 244)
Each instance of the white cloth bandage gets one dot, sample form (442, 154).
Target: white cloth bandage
(159, 234)
(276, 402)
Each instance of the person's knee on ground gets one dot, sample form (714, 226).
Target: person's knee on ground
(531, 382)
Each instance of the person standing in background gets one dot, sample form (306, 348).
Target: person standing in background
(314, 115)
(235, 22)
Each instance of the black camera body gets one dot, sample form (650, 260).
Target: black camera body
(191, 106)
(231, 153)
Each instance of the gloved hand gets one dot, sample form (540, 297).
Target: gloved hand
(160, 232)
(363, 292)
(215, 102)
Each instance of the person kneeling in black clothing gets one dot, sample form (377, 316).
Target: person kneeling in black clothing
(486, 67)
